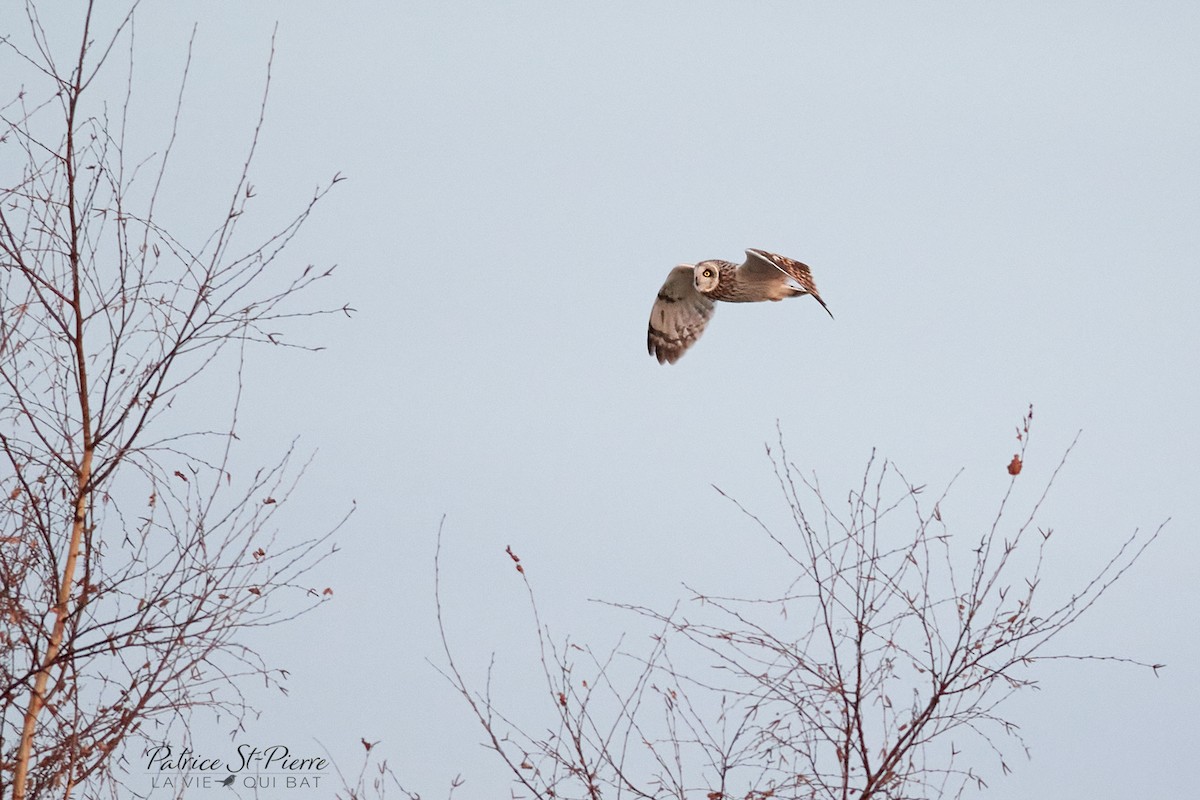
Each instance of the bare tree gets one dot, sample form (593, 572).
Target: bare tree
(879, 672)
(134, 560)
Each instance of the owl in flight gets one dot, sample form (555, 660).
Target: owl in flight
(685, 302)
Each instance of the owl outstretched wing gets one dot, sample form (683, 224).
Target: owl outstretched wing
(761, 265)
(678, 317)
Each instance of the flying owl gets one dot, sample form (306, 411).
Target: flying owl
(685, 302)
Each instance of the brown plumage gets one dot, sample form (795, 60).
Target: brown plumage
(685, 303)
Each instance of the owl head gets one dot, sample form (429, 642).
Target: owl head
(705, 276)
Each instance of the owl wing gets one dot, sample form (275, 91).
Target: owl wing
(678, 317)
(761, 265)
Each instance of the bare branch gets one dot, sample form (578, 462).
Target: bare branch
(879, 671)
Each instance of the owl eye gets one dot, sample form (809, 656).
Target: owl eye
(708, 273)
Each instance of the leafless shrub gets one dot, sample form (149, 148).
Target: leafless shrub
(879, 672)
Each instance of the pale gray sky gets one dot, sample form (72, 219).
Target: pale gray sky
(1000, 204)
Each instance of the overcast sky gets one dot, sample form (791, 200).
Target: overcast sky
(1000, 204)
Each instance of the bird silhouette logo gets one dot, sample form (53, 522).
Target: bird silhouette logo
(228, 781)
